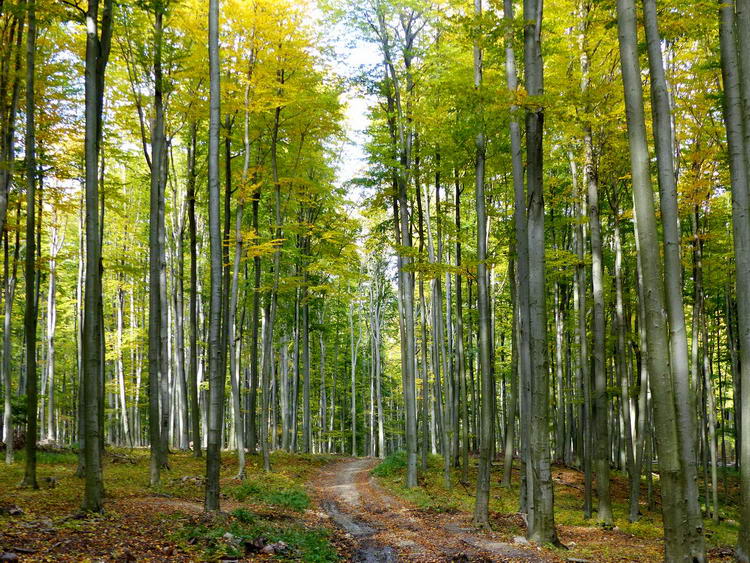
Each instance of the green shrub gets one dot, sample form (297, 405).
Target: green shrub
(243, 515)
(305, 544)
(272, 489)
(391, 465)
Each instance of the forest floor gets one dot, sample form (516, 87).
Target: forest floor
(311, 508)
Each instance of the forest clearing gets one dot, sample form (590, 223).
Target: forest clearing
(380, 280)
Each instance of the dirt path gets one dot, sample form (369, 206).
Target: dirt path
(385, 529)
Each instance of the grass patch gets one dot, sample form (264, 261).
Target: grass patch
(392, 465)
(274, 489)
(228, 537)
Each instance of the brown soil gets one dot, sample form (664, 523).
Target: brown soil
(385, 529)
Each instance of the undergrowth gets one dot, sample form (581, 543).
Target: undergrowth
(273, 489)
(237, 534)
(585, 539)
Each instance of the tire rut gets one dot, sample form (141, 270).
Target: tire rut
(384, 529)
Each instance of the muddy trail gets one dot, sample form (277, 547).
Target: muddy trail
(383, 529)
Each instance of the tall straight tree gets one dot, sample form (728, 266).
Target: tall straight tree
(521, 232)
(98, 42)
(678, 357)
(193, 304)
(155, 329)
(591, 182)
(737, 121)
(541, 528)
(486, 437)
(403, 139)
(665, 423)
(30, 312)
(215, 373)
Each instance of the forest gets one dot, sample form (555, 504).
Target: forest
(379, 280)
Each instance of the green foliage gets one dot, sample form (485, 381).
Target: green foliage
(391, 465)
(273, 489)
(227, 537)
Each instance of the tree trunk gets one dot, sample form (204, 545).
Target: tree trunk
(736, 114)
(685, 406)
(215, 373)
(670, 467)
(156, 329)
(542, 525)
(195, 433)
(98, 43)
(10, 290)
(234, 368)
(486, 436)
(30, 311)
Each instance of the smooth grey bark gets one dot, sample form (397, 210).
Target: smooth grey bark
(486, 436)
(98, 42)
(195, 434)
(234, 368)
(665, 422)
(600, 403)
(736, 104)
(459, 342)
(56, 242)
(215, 373)
(599, 422)
(403, 137)
(119, 306)
(700, 320)
(583, 365)
(683, 394)
(643, 404)
(520, 221)
(323, 385)
(284, 402)
(30, 310)
(156, 330)
(10, 275)
(252, 439)
(271, 305)
(512, 402)
(306, 413)
(376, 304)
(178, 292)
(354, 354)
(436, 320)
(6, 176)
(541, 528)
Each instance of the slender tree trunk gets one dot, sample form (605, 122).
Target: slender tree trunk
(685, 406)
(486, 439)
(234, 367)
(8, 156)
(56, 240)
(195, 433)
(157, 407)
(459, 340)
(120, 303)
(252, 439)
(98, 41)
(215, 373)
(10, 277)
(665, 423)
(30, 311)
(736, 78)
(542, 526)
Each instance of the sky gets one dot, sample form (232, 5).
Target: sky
(350, 55)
